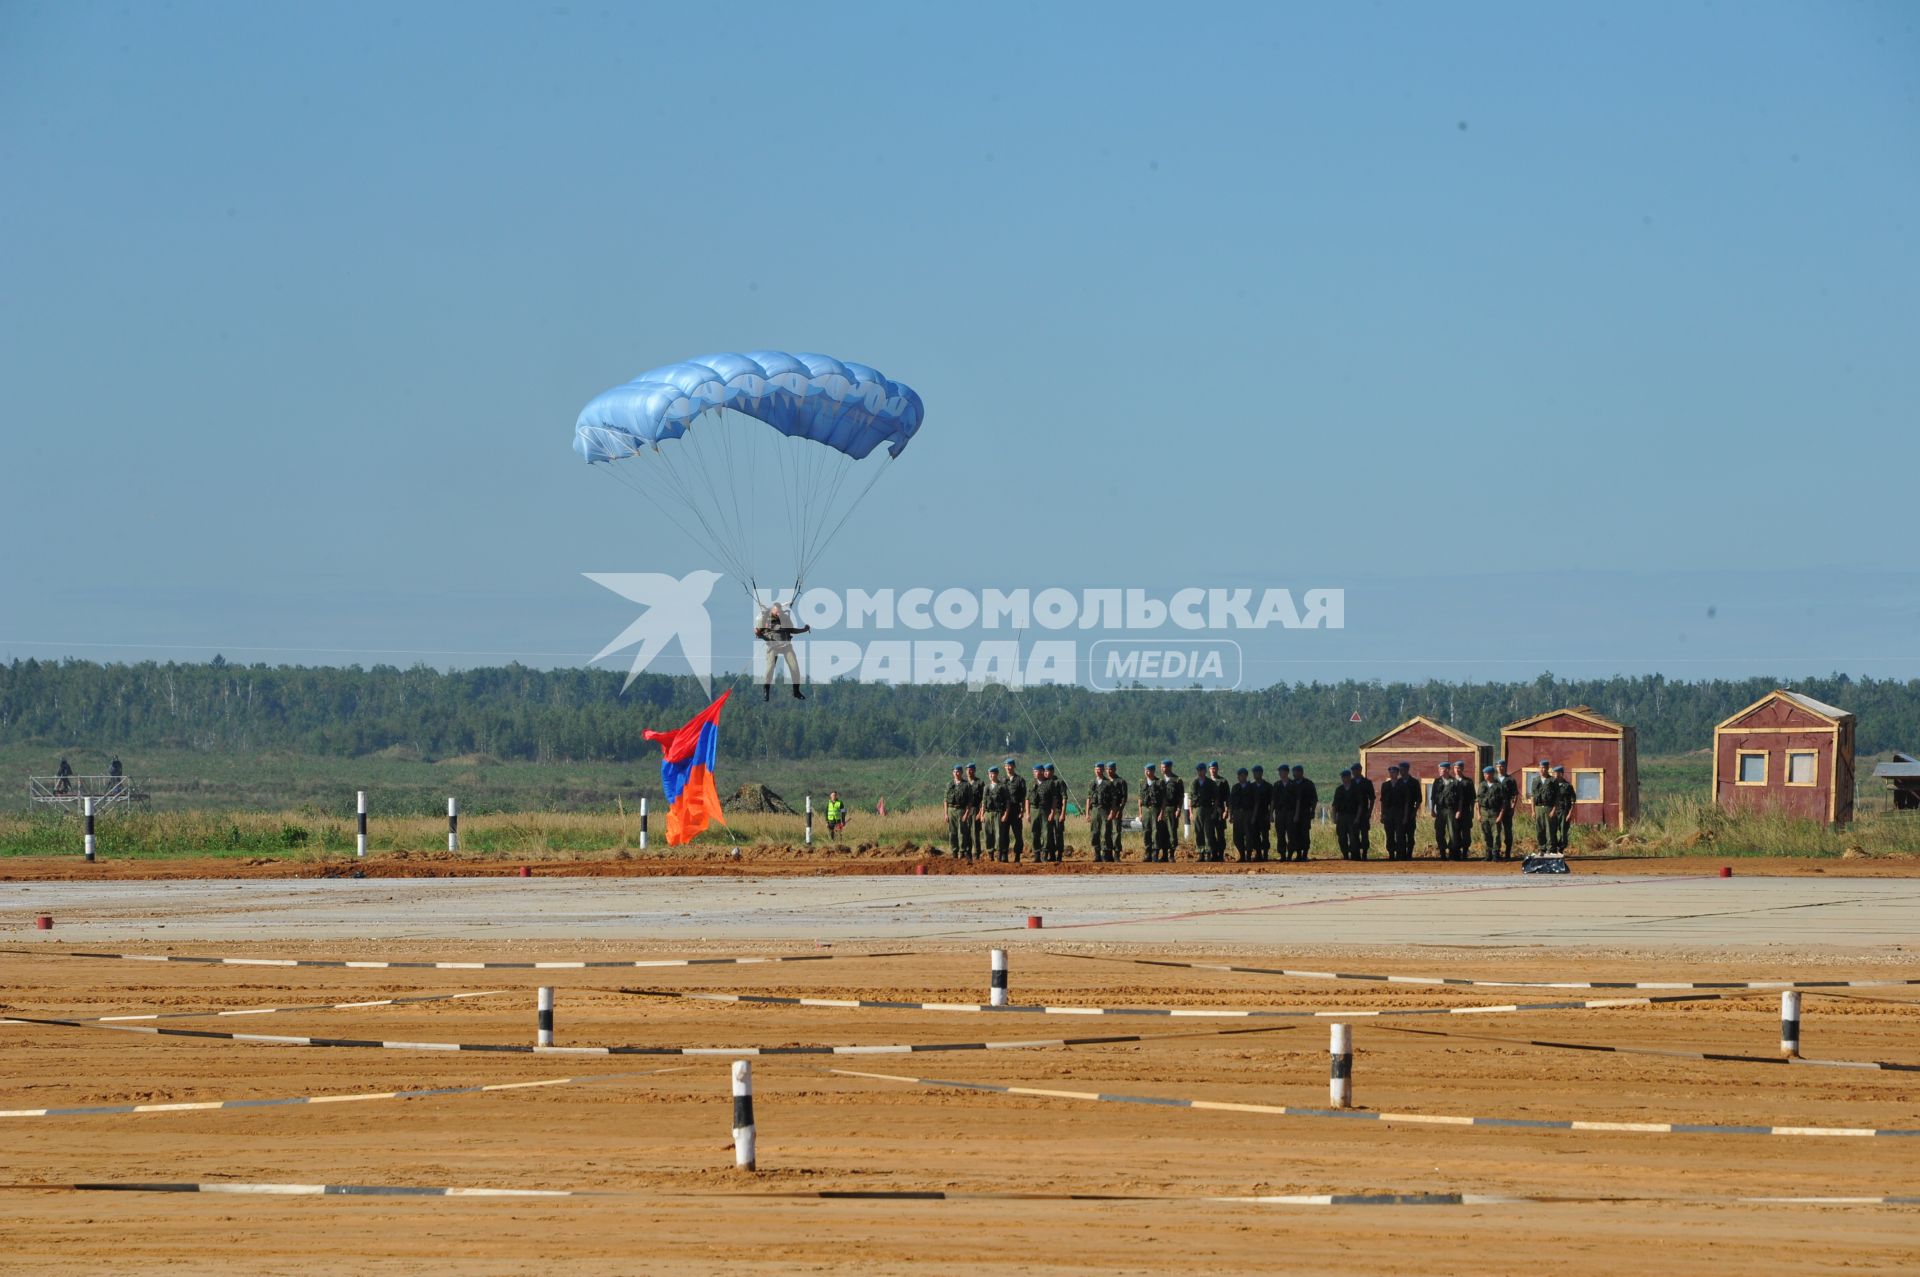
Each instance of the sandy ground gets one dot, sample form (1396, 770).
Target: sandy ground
(660, 1144)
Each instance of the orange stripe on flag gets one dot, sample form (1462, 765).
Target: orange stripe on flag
(697, 807)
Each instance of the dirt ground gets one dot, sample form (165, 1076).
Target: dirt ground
(774, 860)
(660, 1145)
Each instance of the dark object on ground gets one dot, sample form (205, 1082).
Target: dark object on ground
(1544, 865)
(751, 797)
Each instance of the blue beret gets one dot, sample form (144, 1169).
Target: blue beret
(1166, 762)
(1501, 761)
(1257, 767)
(1010, 762)
(1240, 771)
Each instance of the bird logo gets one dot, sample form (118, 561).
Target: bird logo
(676, 608)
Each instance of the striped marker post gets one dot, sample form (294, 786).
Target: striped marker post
(1186, 817)
(453, 824)
(1340, 1083)
(360, 810)
(808, 837)
(997, 994)
(1790, 1023)
(643, 822)
(543, 1034)
(743, 1133)
(86, 814)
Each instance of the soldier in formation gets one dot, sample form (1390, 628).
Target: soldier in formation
(1306, 805)
(1240, 815)
(1400, 810)
(959, 814)
(1262, 813)
(1200, 796)
(1512, 785)
(1095, 808)
(1493, 801)
(1115, 801)
(993, 805)
(1344, 806)
(1012, 832)
(1153, 822)
(1173, 801)
(1363, 816)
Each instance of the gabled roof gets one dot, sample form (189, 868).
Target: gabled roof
(1572, 711)
(1819, 709)
(1442, 728)
(1903, 767)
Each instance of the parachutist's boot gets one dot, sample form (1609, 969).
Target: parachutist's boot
(798, 695)
(766, 692)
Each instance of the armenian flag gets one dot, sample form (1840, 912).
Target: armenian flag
(687, 759)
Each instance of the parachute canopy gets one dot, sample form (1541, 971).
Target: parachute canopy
(848, 407)
(752, 455)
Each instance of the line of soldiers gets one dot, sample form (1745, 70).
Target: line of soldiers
(994, 818)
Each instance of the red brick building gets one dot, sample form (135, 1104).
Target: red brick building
(1426, 744)
(1602, 759)
(1786, 752)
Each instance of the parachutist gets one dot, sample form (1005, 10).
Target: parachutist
(774, 631)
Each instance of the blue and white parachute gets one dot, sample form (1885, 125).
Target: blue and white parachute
(753, 455)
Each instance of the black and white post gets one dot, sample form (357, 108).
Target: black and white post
(360, 810)
(543, 1033)
(86, 814)
(1790, 1023)
(1186, 817)
(1340, 1076)
(643, 822)
(997, 992)
(453, 824)
(743, 1115)
(808, 836)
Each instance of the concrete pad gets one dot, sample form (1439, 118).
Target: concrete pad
(1283, 908)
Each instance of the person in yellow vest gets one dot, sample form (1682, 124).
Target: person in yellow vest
(836, 814)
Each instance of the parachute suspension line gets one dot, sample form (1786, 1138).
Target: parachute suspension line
(944, 734)
(826, 539)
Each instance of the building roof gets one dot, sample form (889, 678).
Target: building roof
(1454, 732)
(1576, 711)
(1821, 709)
(1902, 767)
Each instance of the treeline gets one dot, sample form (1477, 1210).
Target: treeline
(517, 713)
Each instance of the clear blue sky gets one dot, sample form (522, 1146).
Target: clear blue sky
(298, 304)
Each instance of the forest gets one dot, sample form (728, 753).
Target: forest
(518, 713)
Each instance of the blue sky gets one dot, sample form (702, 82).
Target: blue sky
(299, 304)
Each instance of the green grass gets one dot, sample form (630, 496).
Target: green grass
(287, 805)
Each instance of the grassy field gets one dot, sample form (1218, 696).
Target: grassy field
(293, 806)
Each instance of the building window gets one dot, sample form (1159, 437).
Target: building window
(1750, 767)
(1802, 767)
(1587, 785)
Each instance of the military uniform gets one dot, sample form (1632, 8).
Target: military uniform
(1153, 817)
(1400, 812)
(1262, 813)
(1280, 810)
(1096, 809)
(959, 822)
(1563, 800)
(1363, 818)
(1344, 805)
(1173, 801)
(1306, 805)
(1240, 816)
(1512, 785)
(1116, 810)
(1463, 796)
(993, 806)
(1542, 795)
(1200, 799)
(1491, 798)
(1440, 798)
(1012, 832)
(976, 806)
(1038, 791)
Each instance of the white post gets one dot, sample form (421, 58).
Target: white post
(643, 822)
(543, 1035)
(743, 1115)
(453, 824)
(1186, 817)
(360, 809)
(997, 993)
(1790, 1023)
(1340, 1083)
(808, 838)
(86, 810)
